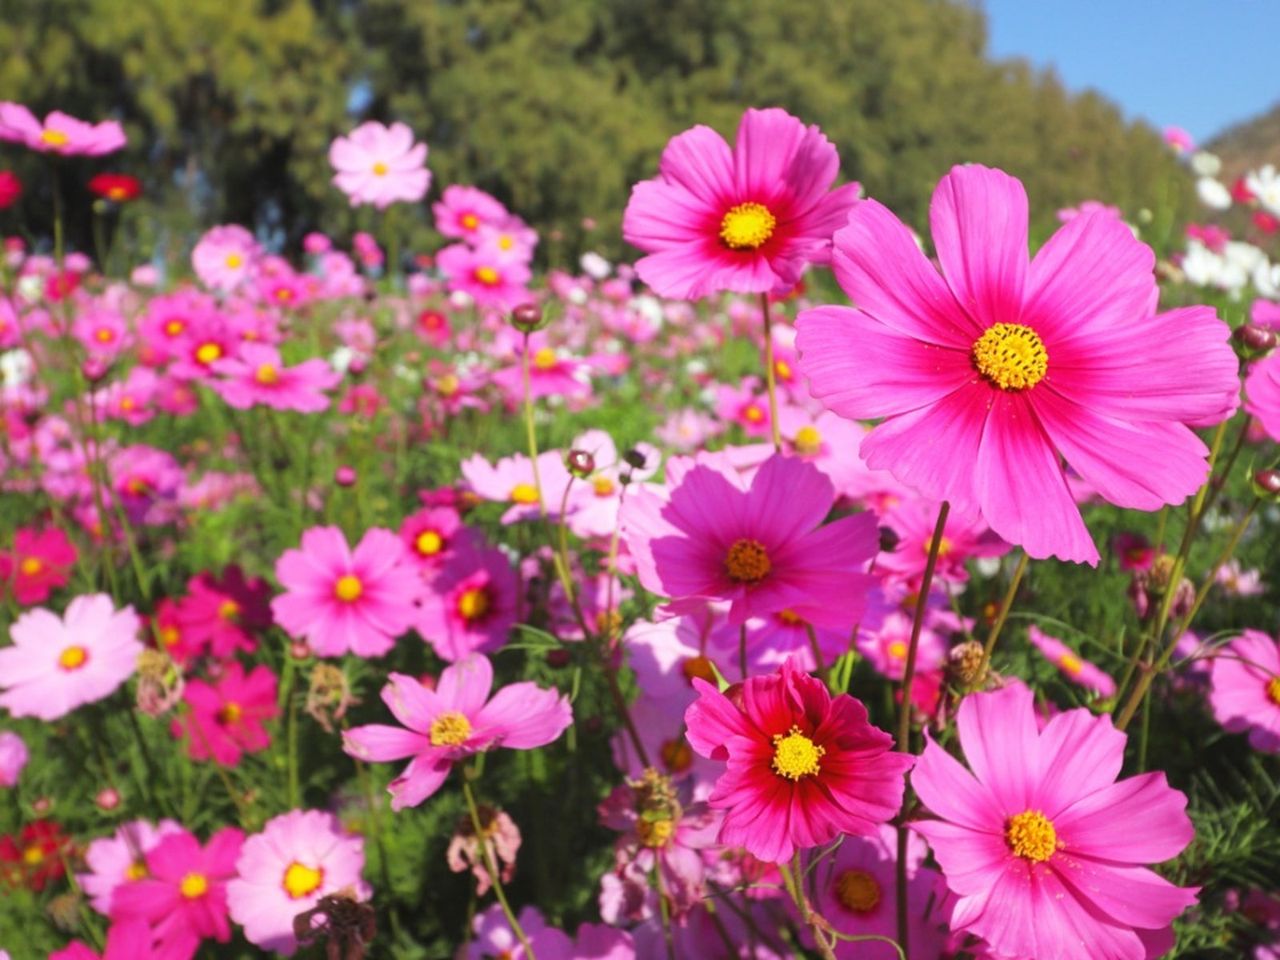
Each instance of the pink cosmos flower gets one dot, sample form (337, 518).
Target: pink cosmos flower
(511, 480)
(121, 859)
(1043, 849)
(225, 612)
(299, 857)
(59, 133)
(913, 521)
(803, 767)
(40, 561)
(454, 721)
(1078, 671)
(223, 257)
(758, 545)
(225, 718)
(1239, 582)
(489, 280)
(58, 664)
(471, 604)
(984, 376)
(433, 535)
(1262, 394)
(552, 373)
(380, 165)
(184, 895)
(495, 940)
(126, 940)
(744, 405)
(463, 211)
(257, 375)
(13, 758)
(747, 219)
(1179, 139)
(1246, 689)
(886, 647)
(341, 600)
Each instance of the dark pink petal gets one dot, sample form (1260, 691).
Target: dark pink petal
(421, 778)
(1079, 754)
(379, 743)
(973, 860)
(777, 160)
(998, 735)
(1022, 488)
(863, 369)
(712, 720)
(788, 498)
(412, 704)
(1138, 820)
(1133, 896)
(950, 791)
(978, 218)
(523, 716)
(464, 686)
(879, 265)
(700, 161)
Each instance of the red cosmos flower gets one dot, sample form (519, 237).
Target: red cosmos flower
(10, 188)
(35, 856)
(116, 187)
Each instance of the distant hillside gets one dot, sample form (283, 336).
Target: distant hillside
(1249, 144)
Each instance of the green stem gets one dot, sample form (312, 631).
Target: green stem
(770, 379)
(1005, 606)
(492, 866)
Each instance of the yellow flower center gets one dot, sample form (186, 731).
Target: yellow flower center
(1011, 356)
(267, 374)
(127, 403)
(544, 359)
(752, 413)
(469, 221)
(808, 441)
(105, 335)
(655, 833)
(603, 485)
(857, 891)
(348, 588)
(677, 756)
(699, 666)
(747, 226)
(897, 650)
(73, 658)
(54, 138)
(137, 871)
(174, 327)
(1030, 835)
(206, 353)
(33, 856)
(506, 241)
(450, 729)
(30, 566)
(447, 385)
(234, 260)
(229, 713)
(795, 755)
(782, 369)
(1071, 664)
(1273, 690)
(747, 561)
(117, 194)
(194, 885)
(301, 880)
(170, 636)
(488, 276)
(473, 604)
(228, 609)
(428, 543)
(524, 493)
(380, 169)
(790, 618)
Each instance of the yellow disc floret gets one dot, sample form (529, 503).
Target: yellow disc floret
(194, 885)
(73, 658)
(1030, 835)
(747, 561)
(857, 891)
(301, 880)
(473, 604)
(429, 543)
(450, 729)
(1273, 690)
(1011, 355)
(524, 493)
(348, 588)
(795, 755)
(545, 358)
(747, 226)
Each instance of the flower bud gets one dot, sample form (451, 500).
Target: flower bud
(580, 463)
(345, 476)
(1255, 340)
(964, 664)
(558, 657)
(527, 317)
(1266, 483)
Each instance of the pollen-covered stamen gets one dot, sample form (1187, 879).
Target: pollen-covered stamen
(380, 169)
(747, 561)
(1071, 664)
(73, 658)
(655, 833)
(429, 543)
(700, 667)
(267, 374)
(473, 604)
(348, 588)
(1030, 835)
(1011, 355)
(54, 138)
(808, 441)
(301, 880)
(206, 353)
(544, 359)
(450, 729)
(1273, 690)
(488, 276)
(194, 885)
(747, 226)
(30, 566)
(858, 891)
(795, 755)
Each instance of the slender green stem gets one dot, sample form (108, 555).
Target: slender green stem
(819, 660)
(904, 710)
(770, 378)
(793, 878)
(492, 866)
(1005, 606)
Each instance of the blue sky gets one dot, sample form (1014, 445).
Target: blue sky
(1199, 64)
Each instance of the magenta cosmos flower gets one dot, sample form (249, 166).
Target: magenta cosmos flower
(257, 376)
(59, 133)
(803, 767)
(58, 664)
(223, 257)
(1073, 667)
(987, 374)
(380, 165)
(471, 604)
(464, 212)
(184, 895)
(1246, 689)
(711, 535)
(126, 940)
(121, 859)
(452, 722)
(1044, 850)
(299, 857)
(346, 601)
(747, 219)
(225, 718)
(1262, 394)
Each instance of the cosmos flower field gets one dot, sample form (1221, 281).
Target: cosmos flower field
(804, 587)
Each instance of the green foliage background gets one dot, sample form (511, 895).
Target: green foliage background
(556, 106)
